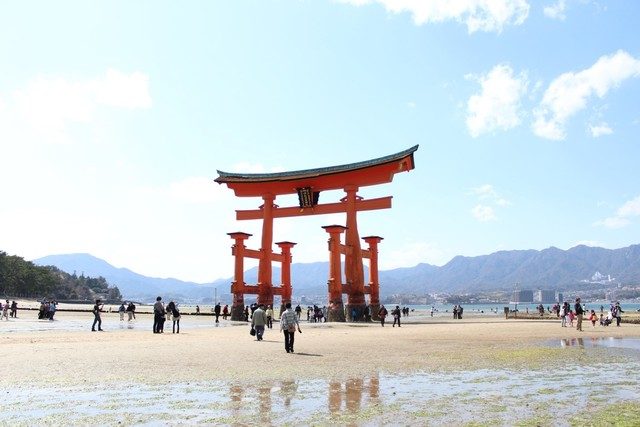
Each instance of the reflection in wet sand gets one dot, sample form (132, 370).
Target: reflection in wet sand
(352, 394)
(614, 342)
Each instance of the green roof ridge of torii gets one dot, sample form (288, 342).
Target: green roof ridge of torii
(225, 177)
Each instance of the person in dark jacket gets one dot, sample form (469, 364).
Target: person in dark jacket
(396, 316)
(159, 314)
(172, 308)
(579, 314)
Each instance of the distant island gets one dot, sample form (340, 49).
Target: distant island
(24, 279)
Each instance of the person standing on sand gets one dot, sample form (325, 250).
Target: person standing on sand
(382, 314)
(158, 316)
(14, 309)
(258, 321)
(396, 316)
(97, 308)
(216, 312)
(175, 315)
(579, 314)
(52, 309)
(121, 311)
(225, 312)
(269, 314)
(288, 324)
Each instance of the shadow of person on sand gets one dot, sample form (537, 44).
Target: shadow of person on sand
(308, 354)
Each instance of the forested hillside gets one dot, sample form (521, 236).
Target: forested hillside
(24, 279)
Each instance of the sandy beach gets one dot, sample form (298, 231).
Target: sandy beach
(228, 352)
(66, 355)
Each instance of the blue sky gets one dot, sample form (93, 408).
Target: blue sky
(115, 116)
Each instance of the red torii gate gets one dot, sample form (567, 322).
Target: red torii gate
(308, 184)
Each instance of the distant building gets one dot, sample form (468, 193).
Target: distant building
(522, 297)
(544, 296)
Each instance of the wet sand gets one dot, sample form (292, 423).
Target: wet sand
(66, 352)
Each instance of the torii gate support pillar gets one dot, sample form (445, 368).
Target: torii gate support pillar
(238, 284)
(286, 290)
(336, 306)
(374, 281)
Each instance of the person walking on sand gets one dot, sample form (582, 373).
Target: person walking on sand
(258, 321)
(97, 308)
(5, 310)
(131, 309)
(175, 316)
(158, 316)
(225, 312)
(288, 324)
(616, 312)
(382, 314)
(216, 312)
(396, 316)
(579, 313)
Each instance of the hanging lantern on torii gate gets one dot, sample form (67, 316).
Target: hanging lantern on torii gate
(308, 184)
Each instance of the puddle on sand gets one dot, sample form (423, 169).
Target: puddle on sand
(595, 342)
(420, 398)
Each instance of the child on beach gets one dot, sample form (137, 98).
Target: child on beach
(593, 317)
(571, 317)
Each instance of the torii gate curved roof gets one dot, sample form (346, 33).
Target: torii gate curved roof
(360, 174)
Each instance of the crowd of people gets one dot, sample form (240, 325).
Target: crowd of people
(568, 314)
(47, 310)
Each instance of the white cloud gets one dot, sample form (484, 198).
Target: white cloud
(569, 92)
(483, 213)
(613, 222)
(488, 196)
(484, 191)
(487, 192)
(556, 11)
(477, 15)
(411, 104)
(48, 104)
(600, 129)
(630, 208)
(117, 89)
(497, 106)
(621, 219)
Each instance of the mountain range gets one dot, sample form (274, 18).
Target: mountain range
(551, 268)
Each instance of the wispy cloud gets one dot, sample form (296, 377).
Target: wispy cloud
(556, 11)
(623, 215)
(483, 213)
(489, 200)
(600, 130)
(497, 106)
(48, 104)
(569, 92)
(477, 15)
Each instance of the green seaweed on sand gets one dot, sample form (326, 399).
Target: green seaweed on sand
(618, 414)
